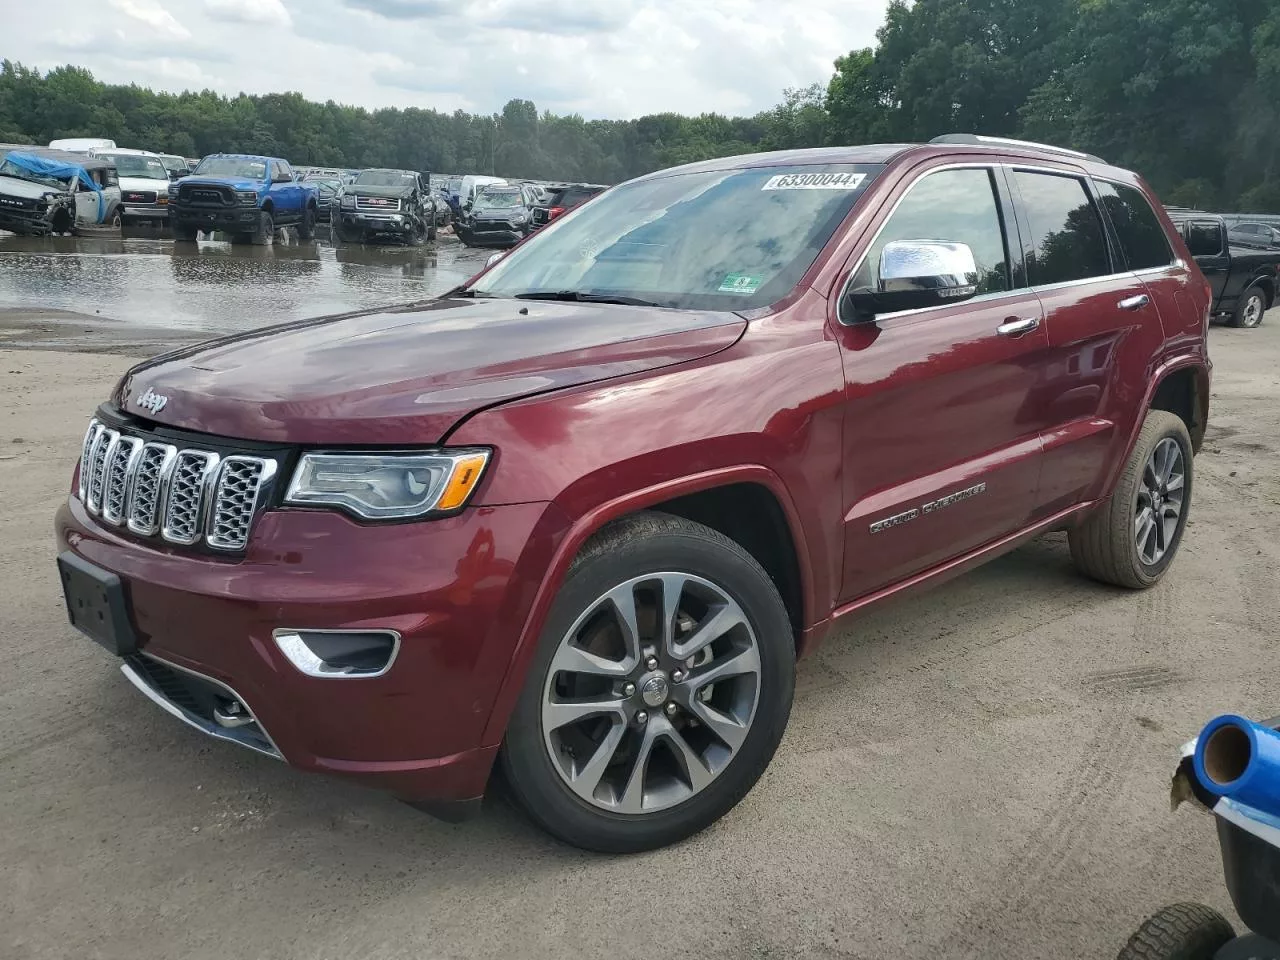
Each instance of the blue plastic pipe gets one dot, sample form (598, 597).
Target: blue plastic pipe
(1240, 759)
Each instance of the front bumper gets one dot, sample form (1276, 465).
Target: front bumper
(377, 222)
(24, 221)
(490, 237)
(457, 590)
(214, 218)
(145, 211)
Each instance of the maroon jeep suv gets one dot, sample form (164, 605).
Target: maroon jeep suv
(580, 516)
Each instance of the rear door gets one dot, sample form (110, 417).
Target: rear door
(1103, 329)
(941, 450)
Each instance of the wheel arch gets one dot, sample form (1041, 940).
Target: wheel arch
(1268, 287)
(1184, 391)
(690, 497)
(267, 207)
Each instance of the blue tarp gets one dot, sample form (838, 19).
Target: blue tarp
(50, 168)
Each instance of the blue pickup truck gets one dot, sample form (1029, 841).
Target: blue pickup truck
(244, 196)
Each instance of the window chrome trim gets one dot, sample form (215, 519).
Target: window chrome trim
(995, 195)
(1064, 284)
(980, 298)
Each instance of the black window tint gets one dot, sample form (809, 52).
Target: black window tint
(1141, 237)
(1067, 235)
(958, 206)
(1204, 238)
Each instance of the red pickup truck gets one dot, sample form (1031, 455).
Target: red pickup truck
(581, 515)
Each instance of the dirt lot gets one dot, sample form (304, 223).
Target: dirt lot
(982, 772)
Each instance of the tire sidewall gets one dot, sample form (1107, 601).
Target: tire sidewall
(531, 771)
(1175, 430)
(1250, 296)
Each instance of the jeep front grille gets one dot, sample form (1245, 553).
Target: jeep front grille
(184, 495)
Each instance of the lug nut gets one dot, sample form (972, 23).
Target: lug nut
(651, 663)
(629, 690)
(642, 718)
(671, 709)
(677, 677)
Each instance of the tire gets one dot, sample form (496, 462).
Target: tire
(617, 560)
(1106, 545)
(265, 232)
(1250, 308)
(340, 233)
(114, 221)
(307, 228)
(1184, 931)
(431, 233)
(186, 234)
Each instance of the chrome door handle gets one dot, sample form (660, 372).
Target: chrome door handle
(1017, 327)
(1134, 303)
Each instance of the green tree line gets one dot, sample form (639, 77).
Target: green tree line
(1187, 92)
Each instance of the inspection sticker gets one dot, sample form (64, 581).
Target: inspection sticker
(815, 181)
(741, 283)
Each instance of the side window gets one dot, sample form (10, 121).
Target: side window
(285, 171)
(1141, 236)
(954, 205)
(1069, 243)
(1204, 238)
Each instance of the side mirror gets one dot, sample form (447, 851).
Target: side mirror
(494, 259)
(918, 273)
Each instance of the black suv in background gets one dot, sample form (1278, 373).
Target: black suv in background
(502, 216)
(562, 199)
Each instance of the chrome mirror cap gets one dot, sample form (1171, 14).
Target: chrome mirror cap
(946, 269)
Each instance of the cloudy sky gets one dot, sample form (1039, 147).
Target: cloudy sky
(600, 58)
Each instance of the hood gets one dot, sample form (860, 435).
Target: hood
(26, 189)
(238, 183)
(150, 184)
(407, 376)
(500, 213)
(361, 190)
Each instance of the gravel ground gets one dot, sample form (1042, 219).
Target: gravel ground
(979, 772)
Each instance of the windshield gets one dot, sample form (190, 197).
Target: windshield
(498, 198)
(386, 178)
(130, 165)
(724, 240)
(173, 163)
(10, 169)
(231, 167)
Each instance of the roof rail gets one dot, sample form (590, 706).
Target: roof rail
(974, 139)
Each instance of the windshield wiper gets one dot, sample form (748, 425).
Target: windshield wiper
(575, 296)
(472, 293)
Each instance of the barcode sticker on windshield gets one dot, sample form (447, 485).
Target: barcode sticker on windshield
(815, 181)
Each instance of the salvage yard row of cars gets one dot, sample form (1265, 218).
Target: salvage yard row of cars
(88, 184)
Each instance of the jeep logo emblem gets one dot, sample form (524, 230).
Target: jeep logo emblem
(152, 401)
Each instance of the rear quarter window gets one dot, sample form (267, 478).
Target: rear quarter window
(1142, 238)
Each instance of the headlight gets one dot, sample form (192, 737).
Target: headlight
(519, 221)
(173, 192)
(247, 196)
(349, 202)
(388, 486)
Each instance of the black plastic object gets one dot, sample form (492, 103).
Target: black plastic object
(96, 604)
(1252, 870)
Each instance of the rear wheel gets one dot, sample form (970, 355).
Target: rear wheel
(1131, 539)
(307, 228)
(1249, 311)
(660, 689)
(1184, 931)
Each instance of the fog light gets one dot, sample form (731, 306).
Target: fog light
(339, 654)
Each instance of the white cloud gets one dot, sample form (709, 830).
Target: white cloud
(271, 12)
(149, 12)
(600, 58)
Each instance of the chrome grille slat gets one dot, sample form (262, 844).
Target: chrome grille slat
(150, 484)
(378, 204)
(239, 487)
(183, 495)
(184, 509)
(120, 470)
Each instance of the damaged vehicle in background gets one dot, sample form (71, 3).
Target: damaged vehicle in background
(144, 184)
(561, 199)
(48, 191)
(502, 217)
(388, 204)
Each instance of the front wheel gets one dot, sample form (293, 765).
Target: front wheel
(1184, 931)
(1131, 539)
(660, 689)
(265, 231)
(1249, 311)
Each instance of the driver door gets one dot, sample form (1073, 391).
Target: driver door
(89, 204)
(941, 446)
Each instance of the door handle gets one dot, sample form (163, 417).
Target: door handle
(1134, 303)
(1016, 327)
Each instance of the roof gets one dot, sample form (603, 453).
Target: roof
(51, 166)
(246, 156)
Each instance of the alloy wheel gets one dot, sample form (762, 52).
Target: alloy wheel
(1252, 315)
(651, 693)
(1160, 501)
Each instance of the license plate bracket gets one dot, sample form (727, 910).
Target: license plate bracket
(97, 605)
